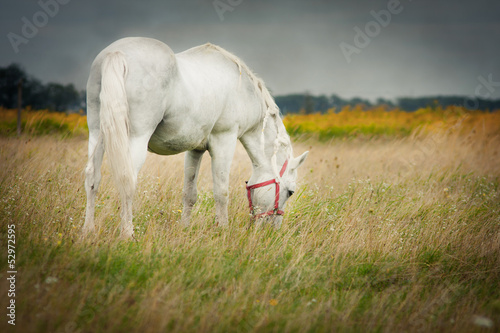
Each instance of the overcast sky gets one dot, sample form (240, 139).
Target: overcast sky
(424, 48)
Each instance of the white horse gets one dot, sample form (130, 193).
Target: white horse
(140, 96)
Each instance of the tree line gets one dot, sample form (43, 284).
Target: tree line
(58, 97)
(307, 103)
(52, 96)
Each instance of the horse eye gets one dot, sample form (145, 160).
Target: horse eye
(290, 193)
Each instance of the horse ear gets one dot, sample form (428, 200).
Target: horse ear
(296, 162)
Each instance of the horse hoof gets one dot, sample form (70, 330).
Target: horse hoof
(127, 233)
(86, 231)
(184, 223)
(223, 225)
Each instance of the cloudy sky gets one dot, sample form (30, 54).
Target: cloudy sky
(367, 48)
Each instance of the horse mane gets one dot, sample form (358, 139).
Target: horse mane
(269, 106)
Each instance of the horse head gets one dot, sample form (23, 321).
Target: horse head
(268, 195)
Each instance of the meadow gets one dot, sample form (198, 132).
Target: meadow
(393, 230)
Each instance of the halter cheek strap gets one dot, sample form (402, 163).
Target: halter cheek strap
(276, 210)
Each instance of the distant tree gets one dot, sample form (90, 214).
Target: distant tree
(35, 94)
(337, 102)
(53, 96)
(383, 101)
(360, 101)
(61, 97)
(410, 104)
(290, 103)
(308, 106)
(308, 103)
(321, 103)
(9, 78)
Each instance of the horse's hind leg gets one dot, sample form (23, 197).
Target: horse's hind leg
(189, 196)
(138, 151)
(92, 179)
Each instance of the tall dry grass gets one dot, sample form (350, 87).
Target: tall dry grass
(391, 235)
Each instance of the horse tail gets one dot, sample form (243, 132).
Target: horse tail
(114, 119)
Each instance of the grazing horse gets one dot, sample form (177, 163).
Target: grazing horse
(141, 96)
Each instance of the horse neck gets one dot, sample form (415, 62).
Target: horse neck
(262, 154)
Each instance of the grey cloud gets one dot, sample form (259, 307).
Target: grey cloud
(431, 47)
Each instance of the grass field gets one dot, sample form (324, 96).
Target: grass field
(388, 234)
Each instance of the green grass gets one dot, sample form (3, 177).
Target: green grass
(365, 246)
(346, 131)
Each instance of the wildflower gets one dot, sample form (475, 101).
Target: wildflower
(179, 210)
(483, 321)
(51, 280)
(273, 302)
(311, 302)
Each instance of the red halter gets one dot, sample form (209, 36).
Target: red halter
(276, 210)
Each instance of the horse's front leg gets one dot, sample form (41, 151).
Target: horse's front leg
(189, 196)
(221, 149)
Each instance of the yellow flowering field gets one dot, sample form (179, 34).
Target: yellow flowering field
(39, 122)
(356, 121)
(376, 121)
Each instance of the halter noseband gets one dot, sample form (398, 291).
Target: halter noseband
(276, 210)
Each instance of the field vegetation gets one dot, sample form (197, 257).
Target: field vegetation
(43, 122)
(349, 122)
(395, 227)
